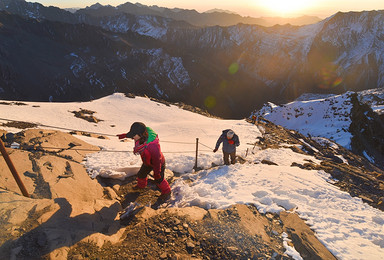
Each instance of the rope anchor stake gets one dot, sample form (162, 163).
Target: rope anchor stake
(197, 153)
(13, 169)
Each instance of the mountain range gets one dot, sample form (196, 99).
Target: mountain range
(51, 54)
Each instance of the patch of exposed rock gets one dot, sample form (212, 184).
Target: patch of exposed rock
(86, 115)
(65, 205)
(239, 232)
(367, 128)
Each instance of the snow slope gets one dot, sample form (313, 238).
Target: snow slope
(323, 115)
(349, 228)
(326, 117)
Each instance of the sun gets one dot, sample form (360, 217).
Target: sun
(286, 7)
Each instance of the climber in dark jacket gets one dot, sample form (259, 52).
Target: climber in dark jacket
(230, 141)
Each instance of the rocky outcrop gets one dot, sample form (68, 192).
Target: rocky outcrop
(304, 238)
(239, 232)
(65, 205)
(367, 128)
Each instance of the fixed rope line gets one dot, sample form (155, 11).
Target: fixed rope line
(175, 142)
(63, 128)
(56, 127)
(67, 149)
(189, 151)
(75, 130)
(102, 134)
(90, 150)
(206, 146)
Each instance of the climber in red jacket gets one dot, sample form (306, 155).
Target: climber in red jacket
(148, 146)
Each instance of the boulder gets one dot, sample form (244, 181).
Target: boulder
(65, 205)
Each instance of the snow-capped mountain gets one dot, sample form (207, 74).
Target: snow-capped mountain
(227, 70)
(353, 120)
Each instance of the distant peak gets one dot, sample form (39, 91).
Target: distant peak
(215, 10)
(94, 6)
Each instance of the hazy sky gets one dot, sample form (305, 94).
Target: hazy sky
(255, 8)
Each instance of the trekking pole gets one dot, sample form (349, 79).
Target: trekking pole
(13, 169)
(197, 149)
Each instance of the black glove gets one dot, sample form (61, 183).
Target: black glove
(215, 150)
(122, 136)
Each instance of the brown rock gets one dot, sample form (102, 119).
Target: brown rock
(303, 238)
(254, 224)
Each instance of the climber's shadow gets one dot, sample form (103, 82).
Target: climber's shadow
(62, 230)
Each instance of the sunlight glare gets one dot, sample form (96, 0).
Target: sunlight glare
(286, 7)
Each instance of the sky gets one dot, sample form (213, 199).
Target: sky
(254, 8)
(349, 228)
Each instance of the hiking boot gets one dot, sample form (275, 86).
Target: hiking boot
(164, 197)
(164, 187)
(141, 184)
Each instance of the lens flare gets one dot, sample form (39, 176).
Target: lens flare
(233, 68)
(328, 77)
(210, 102)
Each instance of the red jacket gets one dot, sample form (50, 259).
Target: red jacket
(151, 154)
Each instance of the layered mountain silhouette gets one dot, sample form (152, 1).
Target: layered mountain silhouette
(51, 54)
